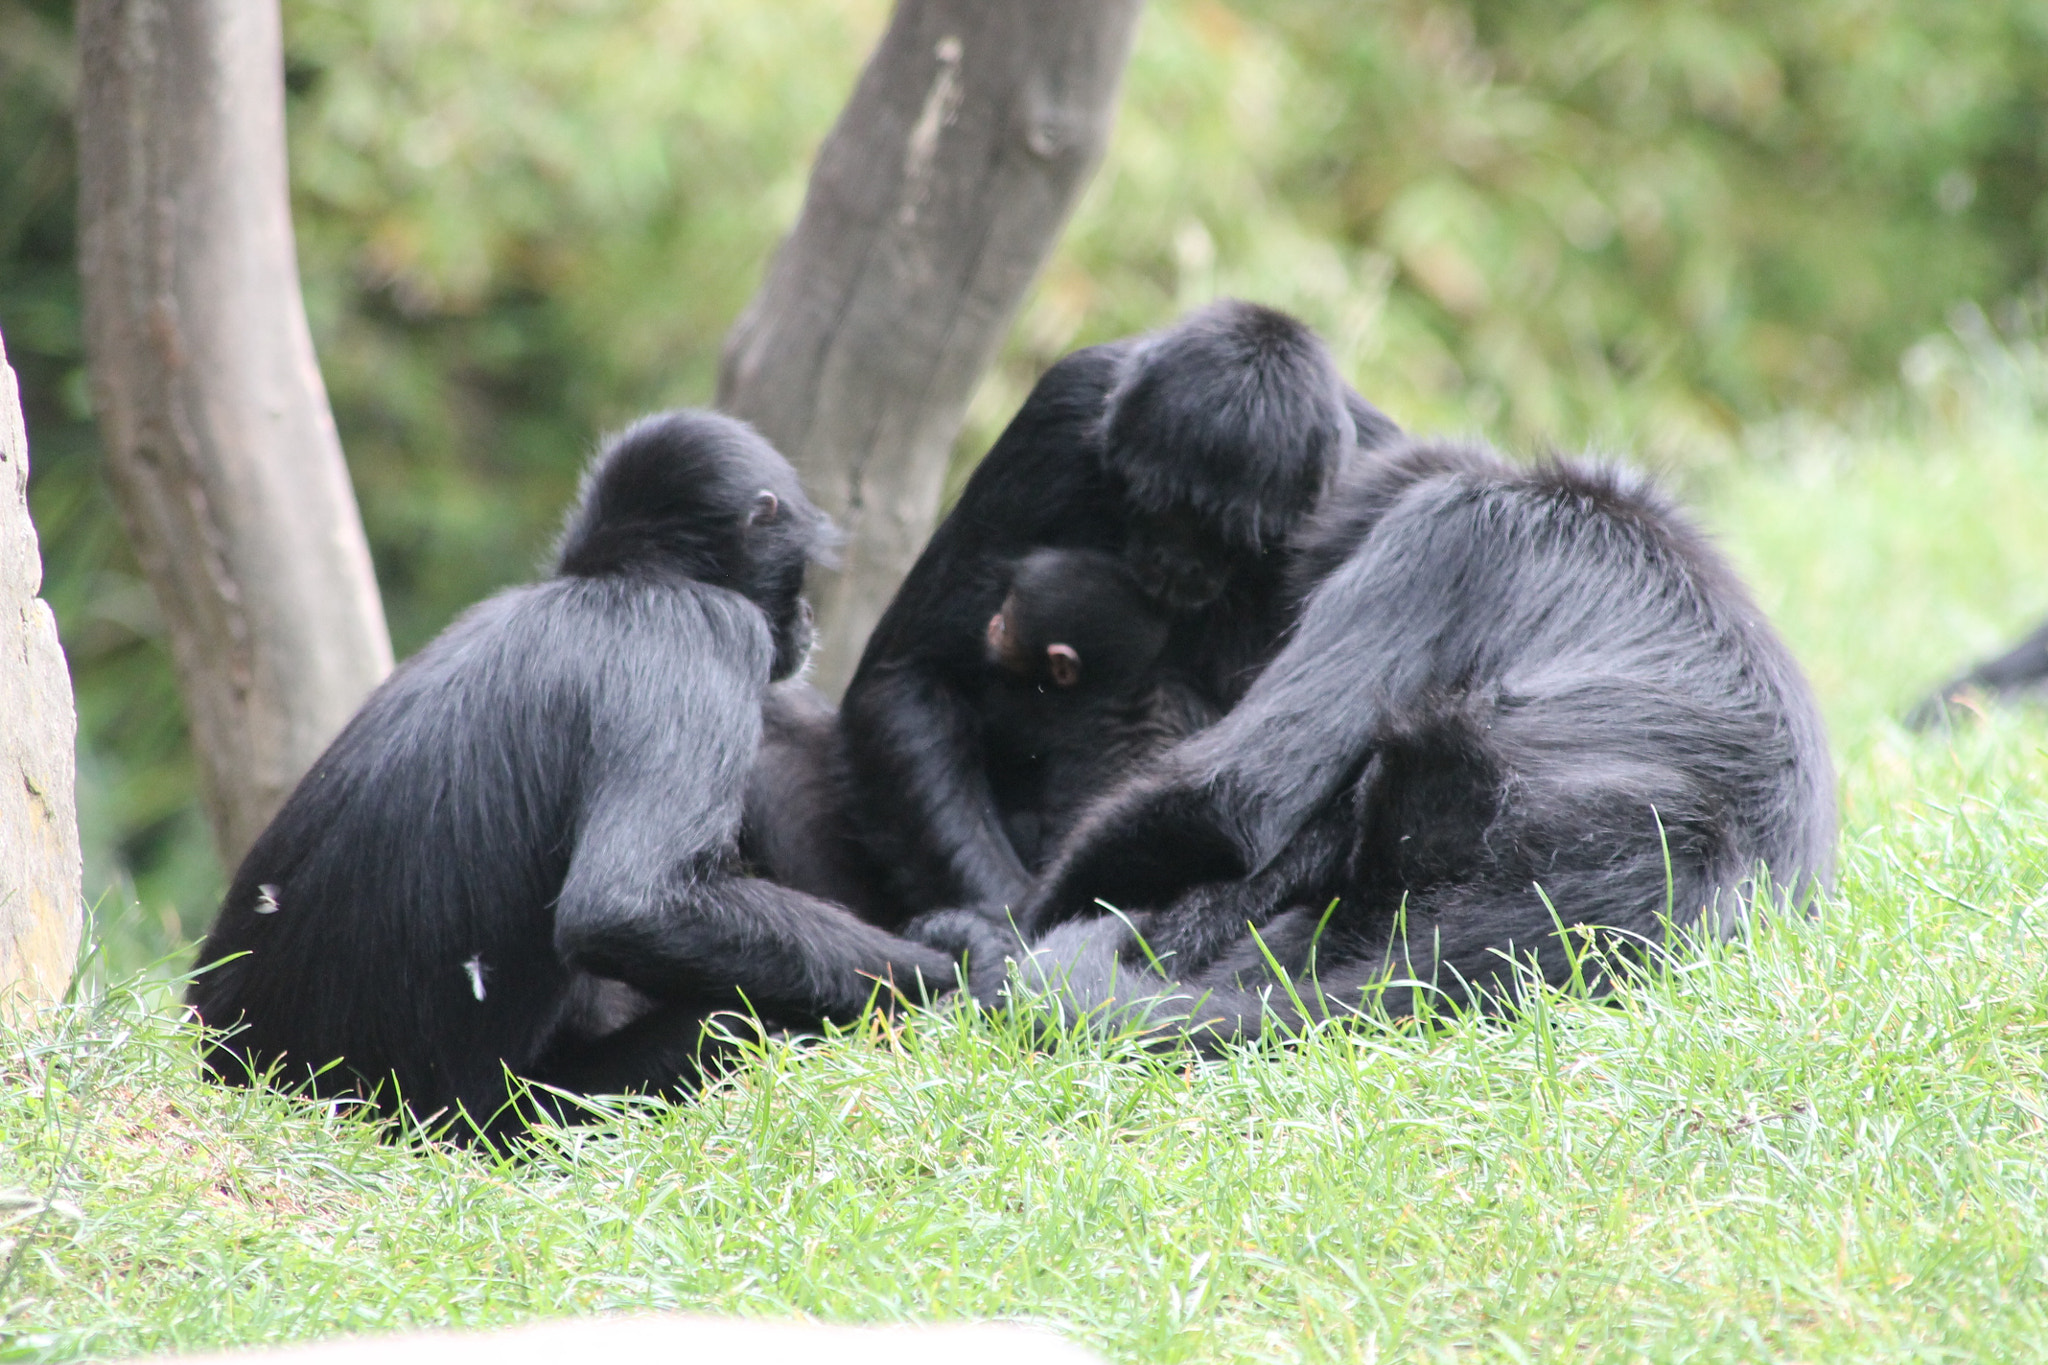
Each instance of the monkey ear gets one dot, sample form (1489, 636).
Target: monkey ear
(1065, 663)
(766, 505)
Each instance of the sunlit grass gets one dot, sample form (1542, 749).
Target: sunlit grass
(1827, 1142)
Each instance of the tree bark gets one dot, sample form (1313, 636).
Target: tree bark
(41, 910)
(220, 446)
(933, 204)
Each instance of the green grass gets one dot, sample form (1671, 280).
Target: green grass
(1827, 1142)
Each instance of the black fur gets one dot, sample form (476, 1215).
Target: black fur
(2019, 674)
(1055, 743)
(1236, 415)
(797, 829)
(1191, 454)
(1516, 699)
(520, 853)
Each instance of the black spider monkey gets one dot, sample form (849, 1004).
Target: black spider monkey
(1192, 454)
(1072, 700)
(1069, 702)
(519, 856)
(1518, 701)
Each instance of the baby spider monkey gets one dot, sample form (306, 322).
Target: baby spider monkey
(1073, 697)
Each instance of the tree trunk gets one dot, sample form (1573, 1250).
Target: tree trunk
(40, 905)
(220, 446)
(932, 206)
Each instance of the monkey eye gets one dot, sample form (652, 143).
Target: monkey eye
(766, 505)
(1064, 662)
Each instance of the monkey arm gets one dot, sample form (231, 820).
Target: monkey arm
(1136, 849)
(650, 897)
(921, 792)
(1188, 935)
(739, 939)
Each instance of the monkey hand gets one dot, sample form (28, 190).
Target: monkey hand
(981, 936)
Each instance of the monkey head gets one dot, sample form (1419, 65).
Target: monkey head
(702, 495)
(1073, 618)
(1223, 432)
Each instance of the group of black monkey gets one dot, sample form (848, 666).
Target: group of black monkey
(1216, 701)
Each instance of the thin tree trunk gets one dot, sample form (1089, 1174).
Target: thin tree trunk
(932, 206)
(40, 907)
(220, 446)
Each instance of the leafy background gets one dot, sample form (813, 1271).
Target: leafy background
(1707, 233)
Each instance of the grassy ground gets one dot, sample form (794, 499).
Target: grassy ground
(1827, 1142)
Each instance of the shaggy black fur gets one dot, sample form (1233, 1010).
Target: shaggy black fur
(519, 855)
(797, 829)
(1192, 454)
(1073, 701)
(1518, 701)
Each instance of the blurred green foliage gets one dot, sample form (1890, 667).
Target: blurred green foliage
(1642, 223)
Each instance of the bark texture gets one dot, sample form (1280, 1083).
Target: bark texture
(40, 904)
(933, 204)
(220, 445)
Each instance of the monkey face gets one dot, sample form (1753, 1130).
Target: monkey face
(1010, 649)
(777, 544)
(795, 633)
